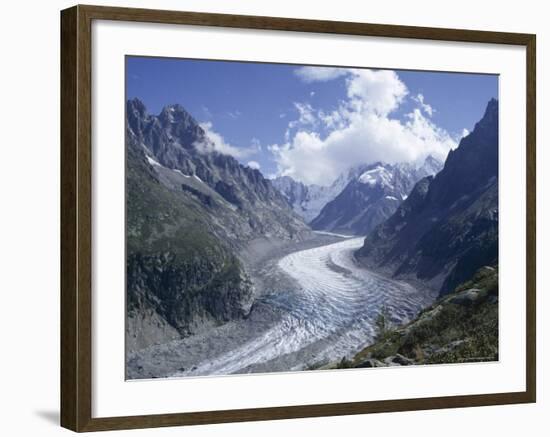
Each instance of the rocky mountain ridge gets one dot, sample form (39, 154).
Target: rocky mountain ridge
(246, 204)
(372, 196)
(190, 211)
(448, 226)
(308, 200)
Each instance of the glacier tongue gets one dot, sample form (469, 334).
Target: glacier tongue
(330, 314)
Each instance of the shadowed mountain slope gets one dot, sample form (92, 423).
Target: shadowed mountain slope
(448, 226)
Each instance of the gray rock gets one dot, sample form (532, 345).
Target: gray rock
(371, 362)
(449, 347)
(466, 297)
(398, 360)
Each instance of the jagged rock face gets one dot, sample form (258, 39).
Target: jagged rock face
(169, 136)
(189, 210)
(372, 196)
(296, 193)
(245, 204)
(448, 227)
(186, 294)
(180, 274)
(308, 200)
(472, 164)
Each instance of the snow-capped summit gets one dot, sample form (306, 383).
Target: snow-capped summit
(308, 200)
(377, 176)
(372, 196)
(347, 204)
(462, 204)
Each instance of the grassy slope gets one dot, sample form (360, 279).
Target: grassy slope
(176, 265)
(460, 327)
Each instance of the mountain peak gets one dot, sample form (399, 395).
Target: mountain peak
(379, 175)
(492, 104)
(490, 116)
(136, 105)
(447, 228)
(431, 165)
(175, 107)
(176, 113)
(253, 207)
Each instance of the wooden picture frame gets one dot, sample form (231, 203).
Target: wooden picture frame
(76, 217)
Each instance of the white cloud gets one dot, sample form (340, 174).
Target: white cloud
(428, 109)
(306, 117)
(319, 74)
(319, 145)
(306, 114)
(465, 133)
(254, 165)
(311, 93)
(234, 114)
(215, 142)
(375, 91)
(379, 90)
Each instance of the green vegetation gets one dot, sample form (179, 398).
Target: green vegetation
(382, 323)
(176, 264)
(460, 327)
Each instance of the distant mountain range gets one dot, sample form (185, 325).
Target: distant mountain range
(308, 200)
(358, 199)
(372, 196)
(447, 228)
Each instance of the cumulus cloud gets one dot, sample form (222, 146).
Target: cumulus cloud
(380, 91)
(375, 91)
(254, 165)
(319, 145)
(216, 143)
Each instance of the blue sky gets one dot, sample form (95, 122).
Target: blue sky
(283, 117)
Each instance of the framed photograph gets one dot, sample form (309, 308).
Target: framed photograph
(268, 218)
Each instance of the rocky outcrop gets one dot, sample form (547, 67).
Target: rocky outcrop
(188, 293)
(448, 226)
